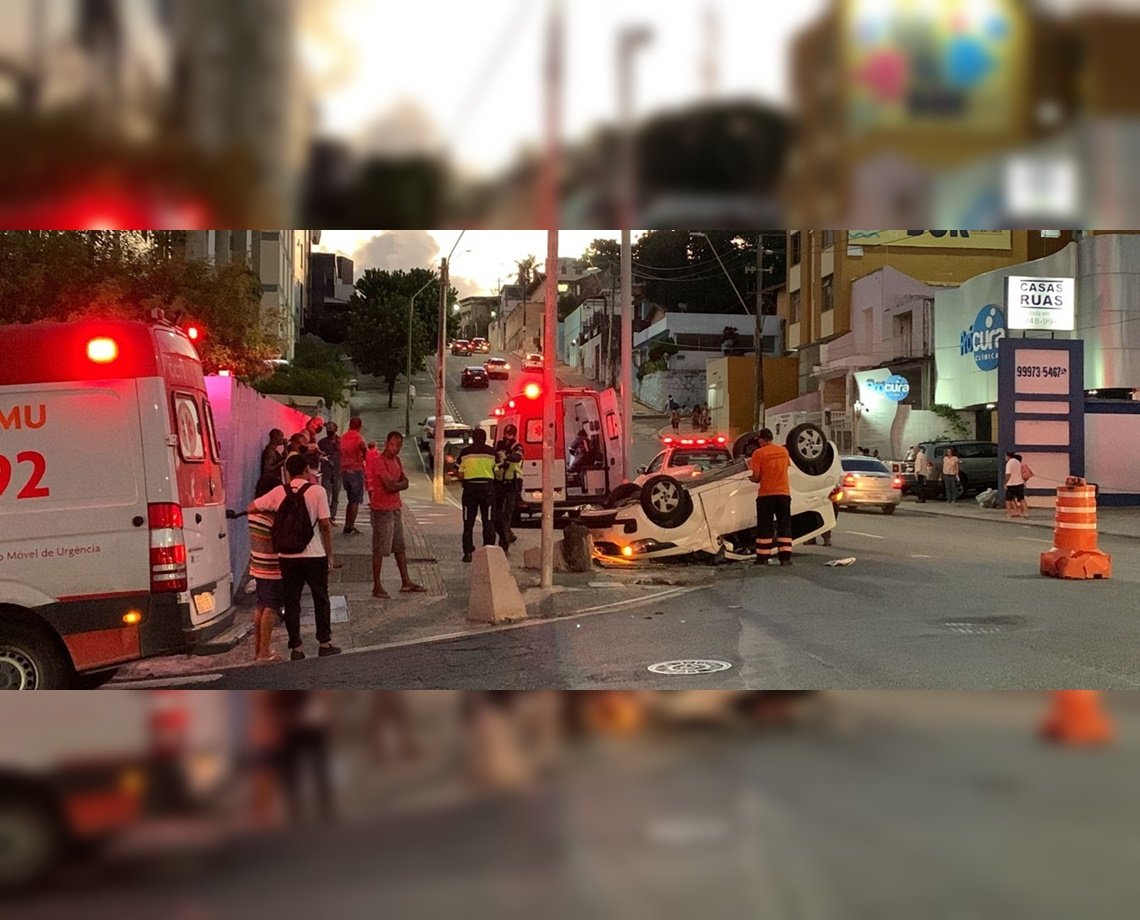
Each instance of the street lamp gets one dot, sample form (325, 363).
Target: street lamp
(441, 380)
(758, 337)
(408, 367)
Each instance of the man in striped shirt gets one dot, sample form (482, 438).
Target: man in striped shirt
(265, 569)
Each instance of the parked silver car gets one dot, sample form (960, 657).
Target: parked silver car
(869, 482)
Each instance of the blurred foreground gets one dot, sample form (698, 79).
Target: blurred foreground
(551, 804)
(978, 114)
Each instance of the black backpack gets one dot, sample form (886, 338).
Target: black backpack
(292, 527)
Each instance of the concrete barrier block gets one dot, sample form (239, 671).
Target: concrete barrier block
(495, 595)
(532, 558)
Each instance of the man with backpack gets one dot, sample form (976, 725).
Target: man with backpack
(302, 538)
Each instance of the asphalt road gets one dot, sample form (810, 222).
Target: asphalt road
(921, 806)
(929, 604)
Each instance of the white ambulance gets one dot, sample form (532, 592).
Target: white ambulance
(580, 480)
(113, 537)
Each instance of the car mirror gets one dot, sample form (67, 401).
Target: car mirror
(641, 469)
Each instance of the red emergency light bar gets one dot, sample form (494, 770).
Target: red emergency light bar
(532, 391)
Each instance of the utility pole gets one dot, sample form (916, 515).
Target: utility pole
(408, 366)
(630, 41)
(440, 383)
(759, 332)
(550, 219)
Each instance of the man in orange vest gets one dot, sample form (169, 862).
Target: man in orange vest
(769, 465)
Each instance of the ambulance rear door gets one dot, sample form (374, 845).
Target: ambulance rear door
(611, 438)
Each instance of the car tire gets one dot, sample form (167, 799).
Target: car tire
(32, 840)
(626, 490)
(746, 445)
(811, 452)
(665, 501)
(31, 660)
(888, 509)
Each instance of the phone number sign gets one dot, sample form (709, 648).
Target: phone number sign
(1041, 371)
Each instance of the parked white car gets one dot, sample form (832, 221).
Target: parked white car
(715, 515)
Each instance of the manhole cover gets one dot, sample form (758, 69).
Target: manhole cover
(687, 666)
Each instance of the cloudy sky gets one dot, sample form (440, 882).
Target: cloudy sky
(483, 259)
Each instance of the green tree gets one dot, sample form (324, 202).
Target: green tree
(602, 254)
(58, 275)
(316, 370)
(378, 322)
(676, 268)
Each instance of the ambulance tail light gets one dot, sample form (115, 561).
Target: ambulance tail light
(532, 391)
(169, 725)
(167, 549)
(102, 350)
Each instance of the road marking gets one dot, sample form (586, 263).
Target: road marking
(1034, 540)
(859, 533)
(468, 634)
(164, 682)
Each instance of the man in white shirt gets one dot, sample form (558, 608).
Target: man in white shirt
(311, 566)
(920, 475)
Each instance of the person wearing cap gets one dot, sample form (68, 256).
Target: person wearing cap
(508, 484)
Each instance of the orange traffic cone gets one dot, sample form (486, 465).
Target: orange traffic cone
(1077, 719)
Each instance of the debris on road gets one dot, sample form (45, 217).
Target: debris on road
(850, 560)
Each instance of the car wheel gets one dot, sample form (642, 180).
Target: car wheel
(31, 841)
(746, 445)
(888, 509)
(665, 501)
(811, 452)
(624, 492)
(29, 660)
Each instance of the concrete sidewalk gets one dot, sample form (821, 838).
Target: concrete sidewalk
(1111, 522)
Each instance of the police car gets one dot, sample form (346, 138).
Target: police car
(714, 516)
(687, 457)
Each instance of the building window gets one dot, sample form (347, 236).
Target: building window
(828, 239)
(796, 248)
(794, 307)
(827, 298)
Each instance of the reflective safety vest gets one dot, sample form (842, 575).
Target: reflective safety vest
(508, 457)
(476, 464)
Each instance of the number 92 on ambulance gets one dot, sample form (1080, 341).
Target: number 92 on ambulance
(113, 537)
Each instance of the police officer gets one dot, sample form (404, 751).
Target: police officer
(508, 484)
(477, 473)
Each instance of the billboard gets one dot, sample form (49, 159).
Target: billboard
(1048, 304)
(933, 239)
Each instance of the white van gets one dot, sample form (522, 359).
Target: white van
(93, 768)
(113, 537)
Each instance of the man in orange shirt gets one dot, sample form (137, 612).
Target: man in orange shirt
(769, 465)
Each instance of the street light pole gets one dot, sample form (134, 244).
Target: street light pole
(408, 367)
(441, 379)
(630, 41)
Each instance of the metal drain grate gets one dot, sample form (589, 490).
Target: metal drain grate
(689, 666)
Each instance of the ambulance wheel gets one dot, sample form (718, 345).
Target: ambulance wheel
(665, 501)
(622, 493)
(811, 452)
(30, 660)
(32, 839)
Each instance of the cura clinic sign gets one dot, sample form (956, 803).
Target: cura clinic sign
(981, 340)
(896, 387)
(1041, 303)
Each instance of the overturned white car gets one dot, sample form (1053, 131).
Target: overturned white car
(715, 516)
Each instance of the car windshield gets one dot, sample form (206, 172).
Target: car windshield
(864, 465)
(457, 434)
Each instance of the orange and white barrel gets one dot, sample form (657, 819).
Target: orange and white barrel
(1074, 523)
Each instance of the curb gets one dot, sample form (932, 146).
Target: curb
(1039, 524)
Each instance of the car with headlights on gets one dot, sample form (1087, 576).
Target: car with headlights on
(497, 368)
(868, 482)
(714, 516)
